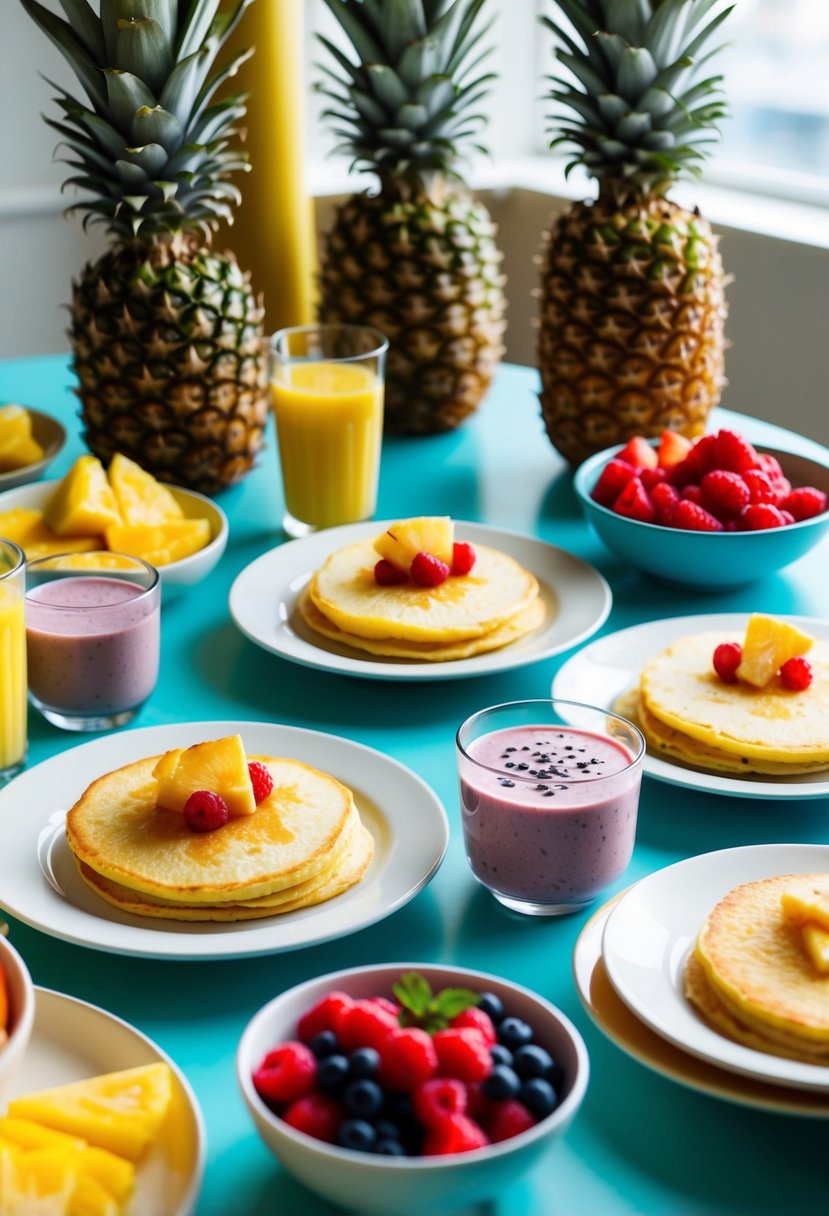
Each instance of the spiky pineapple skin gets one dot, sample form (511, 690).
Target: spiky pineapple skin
(632, 324)
(170, 354)
(426, 271)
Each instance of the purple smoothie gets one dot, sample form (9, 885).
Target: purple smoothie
(92, 645)
(549, 813)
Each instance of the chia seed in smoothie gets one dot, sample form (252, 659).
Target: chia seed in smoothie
(92, 645)
(549, 813)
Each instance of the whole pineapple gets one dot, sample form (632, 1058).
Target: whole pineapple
(167, 336)
(418, 258)
(633, 291)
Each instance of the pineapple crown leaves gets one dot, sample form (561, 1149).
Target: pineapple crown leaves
(150, 145)
(631, 97)
(430, 1010)
(405, 106)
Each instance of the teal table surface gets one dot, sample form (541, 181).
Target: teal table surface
(641, 1143)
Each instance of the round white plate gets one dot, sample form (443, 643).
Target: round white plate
(612, 665)
(652, 930)
(72, 1040)
(263, 603)
(637, 1040)
(42, 887)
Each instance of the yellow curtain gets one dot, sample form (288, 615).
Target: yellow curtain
(273, 233)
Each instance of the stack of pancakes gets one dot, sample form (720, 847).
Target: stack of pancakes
(751, 978)
(687, 713)
(303, 844)
(497, 603)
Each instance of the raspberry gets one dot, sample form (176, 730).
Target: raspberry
(694, 518)
(316, 1115)
(407, 1058)
(724, 494)
(635, 503)
(652, 477)
(383, 1002)
(428, 570)
(758, 515)
(478, 1105)
(696, 463)
(673, 447)
(286, 1073)
(508, 1119)
(454, 1134)
(463, 1054)
(323, 1015)
(478, 1020)
(692, 493)
(388, 575)
(363, 1024)
(638, 452)
(804, 503)
(760, 486)
(787, 517)
(770, 465)
(796, 674)
(463, 557)
(205, 811)
(664, 498)
(261, 780)
(433, 1100)
(727, 658)
(732, 452)
(612, 480)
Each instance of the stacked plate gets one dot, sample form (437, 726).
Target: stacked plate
(629, 965)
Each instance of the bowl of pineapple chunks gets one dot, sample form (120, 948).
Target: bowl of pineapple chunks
(29, 442)
(95, 514)
(17, 1011)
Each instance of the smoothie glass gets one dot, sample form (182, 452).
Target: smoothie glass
(549, 798)
(327, 386)
(93, 626)
(12, 660)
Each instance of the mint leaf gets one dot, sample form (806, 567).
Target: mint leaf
(421, 1007)
(449, 1002)
(414, 993)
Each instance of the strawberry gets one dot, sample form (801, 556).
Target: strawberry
(635, 503)
(724, 494)
(732, 452)
(673, 447)
(695, 465)
(694, 518)
(804, 503)
(612, 480)
(638, 452)
(759, 515)
(652, 477)
(664, 498)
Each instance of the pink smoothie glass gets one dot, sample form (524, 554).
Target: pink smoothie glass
(549, 798)
(93, 626)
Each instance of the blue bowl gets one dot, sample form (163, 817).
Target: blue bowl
(706, 561)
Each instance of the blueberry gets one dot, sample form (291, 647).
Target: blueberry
(493, 1005)
(386, 1129)
(331, 1074)
(357, 1134)
(363, 1062)
(390, 1148)
(538, 1096)
(501, 1054)
(501, 1083)
(533, 1061)
(324, 1044)
(364, 1097)
(514, 1033)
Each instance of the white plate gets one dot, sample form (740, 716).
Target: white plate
(652, 930)
(637, 1040)
(72, 1040)
(612, 664)
(42, 887)
(263, 603)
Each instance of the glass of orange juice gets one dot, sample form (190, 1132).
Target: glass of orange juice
(327, 385)
(12, 660)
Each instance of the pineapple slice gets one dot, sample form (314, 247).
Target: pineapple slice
(768, 645)
(84, 502)
(22, 525)
(433, 534)
(816, 942)
(89, 1198)
(18, 447)
(39, 1183)
(118, 1111)
(100, 560)
(141, 499)
(115, 1174)
(807, 901)
(220, 766)
(160, 544)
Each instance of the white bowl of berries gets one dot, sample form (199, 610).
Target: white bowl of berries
(406, 1088)
(711, 514)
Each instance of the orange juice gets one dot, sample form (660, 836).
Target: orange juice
(329, 420)
(12, 676)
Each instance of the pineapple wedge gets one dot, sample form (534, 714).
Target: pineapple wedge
(18, 447)
(816, 942)
(84, 502)
(115, 1174)
(160, 544)
(141, 499)
(767, 646)
(39, 1183)
(807, 901)
(433, 534)
(220, 765)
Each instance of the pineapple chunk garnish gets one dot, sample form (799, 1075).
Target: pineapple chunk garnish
(433, 534)
(767, 646)
(141, 499)
(220, 765)
(18, 447)
(806, 902)
(816, 943)
(39, 1183)
(160, 544)
(83, 503)
(115, 1174)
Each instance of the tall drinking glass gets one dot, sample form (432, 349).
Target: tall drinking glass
(12, 660)
(327, 385)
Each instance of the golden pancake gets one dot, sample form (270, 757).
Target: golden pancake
(460, 608)
(117, 829)
(756, 964)
(681, 690)
(525, 621)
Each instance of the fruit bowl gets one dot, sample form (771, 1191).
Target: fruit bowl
(51, 436)
(378, 1185)
(175, 576)
(706, 561)
(21, 1000)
